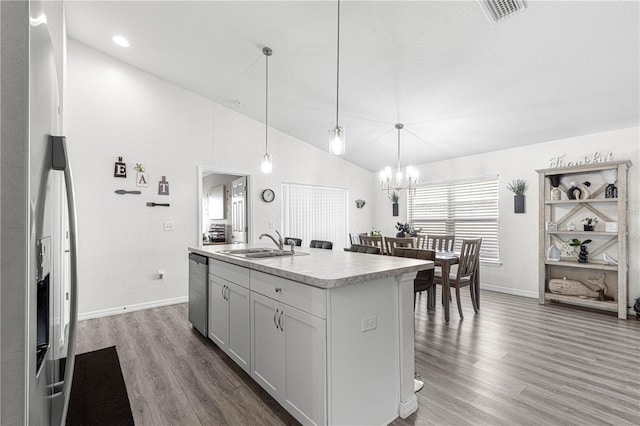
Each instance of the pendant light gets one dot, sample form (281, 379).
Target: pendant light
(267, 163)
(386, 175)
(337, 142)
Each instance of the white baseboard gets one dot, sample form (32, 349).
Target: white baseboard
(130, 308)
(512, 291)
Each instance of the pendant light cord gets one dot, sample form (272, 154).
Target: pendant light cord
(266, 105)
(267, 52)
(338, 67)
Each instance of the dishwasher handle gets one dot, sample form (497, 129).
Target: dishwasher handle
(198, 258)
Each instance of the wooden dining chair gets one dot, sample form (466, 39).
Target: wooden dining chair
(361, 248)
(391, 243)
(440, 242)
(296, 241)
(421, 241)
(321, 244)
(372, 241)
(466, 273)
(424, 279)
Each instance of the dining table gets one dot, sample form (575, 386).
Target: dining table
(445, 259)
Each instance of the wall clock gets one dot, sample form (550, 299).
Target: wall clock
(268, 195)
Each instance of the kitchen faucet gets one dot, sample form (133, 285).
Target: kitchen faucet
(278, 243)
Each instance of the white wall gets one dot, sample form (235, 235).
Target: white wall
(518, 272)
(117, 110)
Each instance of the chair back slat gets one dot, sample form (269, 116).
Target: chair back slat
(391, 243)
(469, 257)
(421, 241)
(440, 242)
(372, 241)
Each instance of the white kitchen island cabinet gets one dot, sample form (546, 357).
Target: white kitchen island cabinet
(331, 333)
(229, 313)
(288, 357)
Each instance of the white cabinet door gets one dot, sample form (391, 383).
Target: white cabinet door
(239, 336)
(305, 366)
(267, 347)
(218, 312)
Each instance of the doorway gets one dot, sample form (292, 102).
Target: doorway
(223, 213)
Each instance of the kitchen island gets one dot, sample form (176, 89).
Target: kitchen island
(329, 334)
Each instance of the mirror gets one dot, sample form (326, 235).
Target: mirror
(216, 202)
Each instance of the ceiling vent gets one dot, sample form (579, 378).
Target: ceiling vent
(499, 9)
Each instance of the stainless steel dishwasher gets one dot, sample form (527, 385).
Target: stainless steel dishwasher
(198, 293)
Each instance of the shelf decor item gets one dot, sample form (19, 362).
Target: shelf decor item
(610, 176)
(583, 255)
(518, 187)
(556, 194)
(589, 223)
(553, 253)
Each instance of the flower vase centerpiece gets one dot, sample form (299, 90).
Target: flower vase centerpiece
(404, 230)
(589, 223)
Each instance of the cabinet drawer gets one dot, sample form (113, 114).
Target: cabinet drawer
(233, 273)
(301, 296)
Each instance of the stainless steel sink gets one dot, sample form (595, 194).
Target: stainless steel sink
(261, 253)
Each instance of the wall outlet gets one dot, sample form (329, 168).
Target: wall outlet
(168, 226)
(370, 323)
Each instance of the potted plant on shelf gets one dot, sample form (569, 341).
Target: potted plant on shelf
(394, 197)
(518, 187)
(589, 223)
(583, 255)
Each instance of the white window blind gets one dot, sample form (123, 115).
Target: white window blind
(467, 209)
(315, 213)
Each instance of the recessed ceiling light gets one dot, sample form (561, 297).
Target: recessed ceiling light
(120, 41)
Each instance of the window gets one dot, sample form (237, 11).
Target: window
(315, 213)
(467, 209)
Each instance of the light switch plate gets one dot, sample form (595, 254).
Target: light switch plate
(168, 226)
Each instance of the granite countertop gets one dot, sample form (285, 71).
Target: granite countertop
(321, 268)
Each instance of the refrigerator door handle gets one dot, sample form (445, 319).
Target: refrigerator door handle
(60, 161)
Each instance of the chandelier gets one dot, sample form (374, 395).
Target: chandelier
(407, 182)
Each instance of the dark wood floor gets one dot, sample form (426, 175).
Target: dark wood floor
(514, 363)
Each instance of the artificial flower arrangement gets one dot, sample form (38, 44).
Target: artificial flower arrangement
(590, 221)
(375, 232)
(407, 229)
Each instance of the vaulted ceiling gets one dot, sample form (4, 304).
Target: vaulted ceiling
(460, 83)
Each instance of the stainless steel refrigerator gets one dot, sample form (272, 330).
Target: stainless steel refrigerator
(37, 234)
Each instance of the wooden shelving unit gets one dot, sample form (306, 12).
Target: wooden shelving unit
(566, 214)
